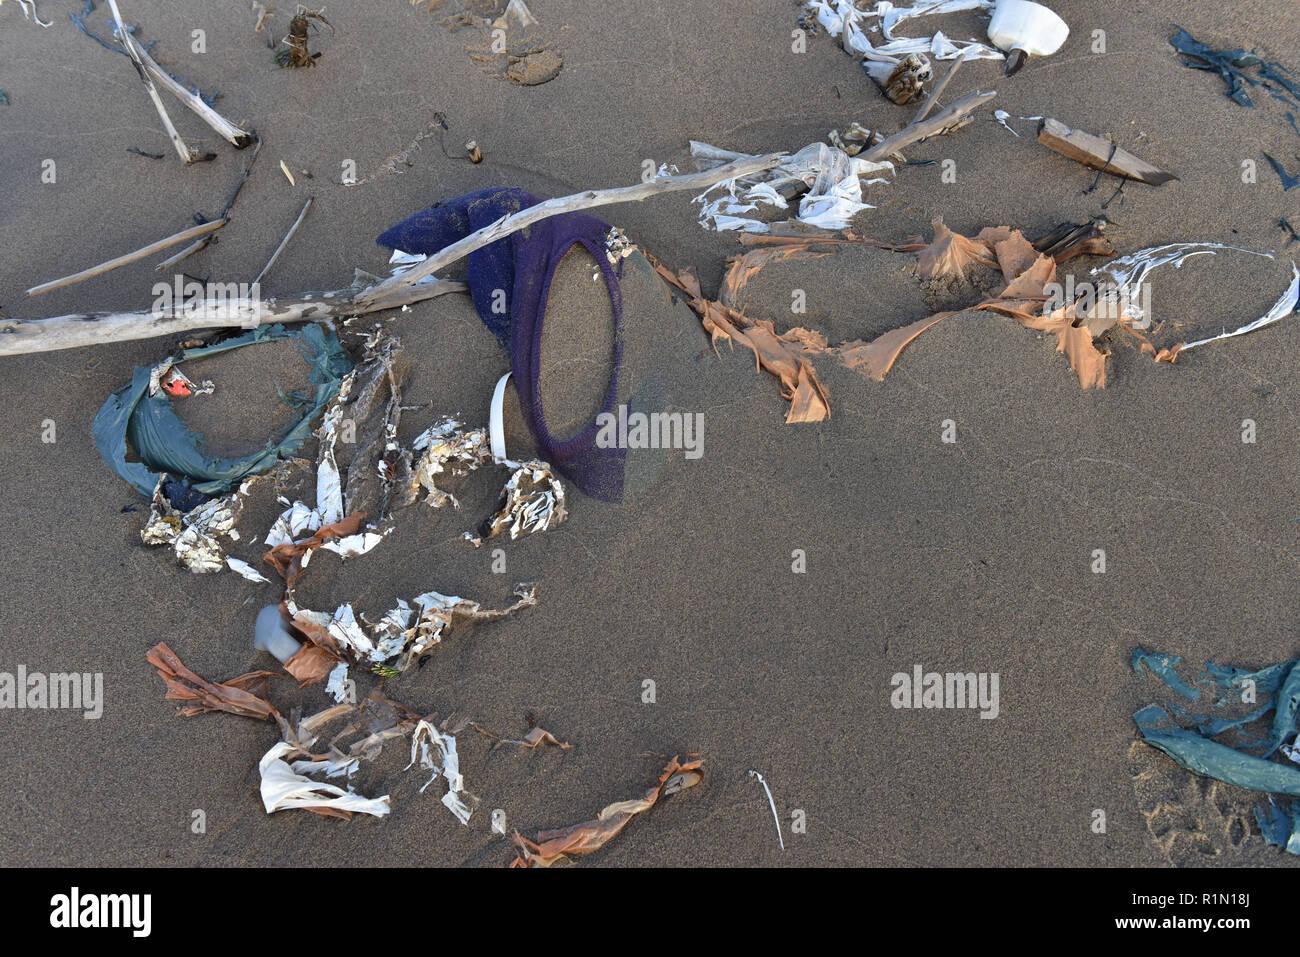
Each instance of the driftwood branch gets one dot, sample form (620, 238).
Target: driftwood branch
(186, 234)
(187, 155)
(567, 204)
(1099, 154)
(23, 336)
(949, 118)
(225, 129)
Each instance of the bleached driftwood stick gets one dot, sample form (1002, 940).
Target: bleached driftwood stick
(192, 233)
(187, 155)
(938, 88)
(225, 129)
(23, 336)
(585, 200)
(941, 122)
(284, 242)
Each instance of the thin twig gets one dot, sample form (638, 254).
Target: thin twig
(243, 177)
(183, 236)
(939, 123)
(567, 204)
(185, 253)
(187, 155)
(284, 242)
(939, 87)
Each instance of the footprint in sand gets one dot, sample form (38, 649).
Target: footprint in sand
(1195, 821)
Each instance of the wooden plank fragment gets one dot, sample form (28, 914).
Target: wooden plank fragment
(1097, 153)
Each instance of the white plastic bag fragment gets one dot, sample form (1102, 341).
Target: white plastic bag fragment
(445, 763)
(832, 177)
(246, 570)
(283, 788)
(448, 449)
(1130, 272)
(836, 15)
(1281, 309)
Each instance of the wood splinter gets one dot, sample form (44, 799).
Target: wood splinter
(1099, 154)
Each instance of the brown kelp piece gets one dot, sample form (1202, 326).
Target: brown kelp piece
(244, 695)
(950, 254)
(551, 847)
(785, 355)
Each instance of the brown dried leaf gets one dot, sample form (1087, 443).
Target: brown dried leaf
(244, 695)
(550, 847)
(949, 253)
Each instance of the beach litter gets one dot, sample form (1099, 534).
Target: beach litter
(1289, 182)
(29, 13)
(1023, 29)
(445, 763)
(1272, 76)
(1097, 153)
(554, 846)
(301, 26)
(135, 421)
(402, 634)
(244, 695)
(1217, 743)
(776, 819)
(843, 19)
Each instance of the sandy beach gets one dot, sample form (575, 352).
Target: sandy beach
(974, 555)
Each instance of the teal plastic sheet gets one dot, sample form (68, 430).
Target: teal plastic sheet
(1197, 748)
(133, 420)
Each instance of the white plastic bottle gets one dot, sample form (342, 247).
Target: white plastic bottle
(1024, 29)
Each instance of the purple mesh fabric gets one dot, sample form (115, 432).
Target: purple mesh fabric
(523, 265)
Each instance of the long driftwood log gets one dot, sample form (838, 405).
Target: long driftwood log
(23, 336)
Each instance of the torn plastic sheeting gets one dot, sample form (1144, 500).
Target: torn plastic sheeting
(833, 14)
(1131, 271)
(1276, 688)
(164, 444)
(446, 764)
(1229, 63)
(283, 788)
(244, 695)
(832, 178)
(551, 847)
(395, 633)
(1281, 309)
(194, 535)
(532, 501)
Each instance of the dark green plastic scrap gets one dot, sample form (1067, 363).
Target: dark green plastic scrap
(163, 444)
(1277, 688)
(1230, 65)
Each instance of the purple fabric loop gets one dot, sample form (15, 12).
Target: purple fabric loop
(521, 267)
